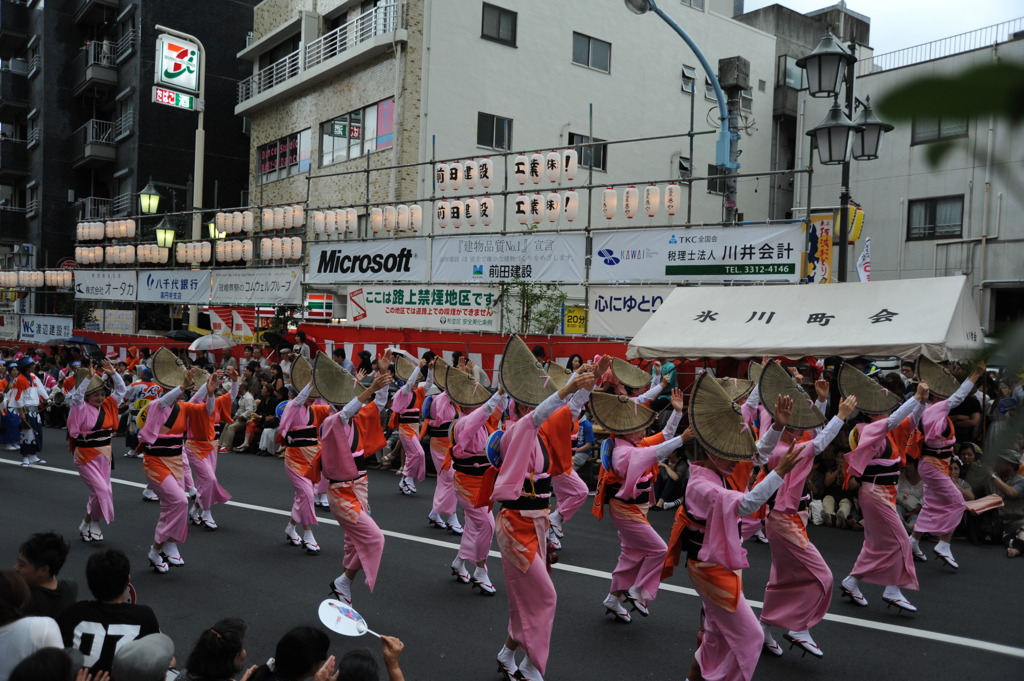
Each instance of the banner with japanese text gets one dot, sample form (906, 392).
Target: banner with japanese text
(819, 250)
(41, 328)
(536, 257)
(426, 306)
(118, 321)
(749, 253)
(620, 311)
(106, 284)
(174, 286)
(9, 326)
(366, 261)
(258, 286)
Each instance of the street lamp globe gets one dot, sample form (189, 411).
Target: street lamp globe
(825, 66)
(149, 199)
(638, 6)
(867, 143)
(165, 234)
(834, 136)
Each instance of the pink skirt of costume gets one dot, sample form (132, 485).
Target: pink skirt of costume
(944, 505)
(800, 585)
(415, 460)
(164, 477)
(642, 555)
(531, 594)
(96, 476)
(445, 501)
(732, 639)
(303, 512)
(205, 471)
(885, 557)
(571, 492)
(364, 542)
(478, 526)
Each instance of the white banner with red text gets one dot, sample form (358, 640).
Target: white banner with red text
(425, 306)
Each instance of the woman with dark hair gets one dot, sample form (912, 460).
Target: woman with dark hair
(276, 377)
(365, 362)
(49, 664)
(575, 362)
(361, 665)
(219, 653)
(21, 636)
(300, 654)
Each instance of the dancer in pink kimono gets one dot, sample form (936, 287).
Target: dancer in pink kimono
(885, 558)
(343, 466)
(800, 585)
(406, 408)
(167, 421)
(92, 422)
(299, 428)
(944, 505)
(201, 449)
(443, 510)
(523, 486)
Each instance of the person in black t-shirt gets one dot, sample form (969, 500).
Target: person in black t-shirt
(39, 562)
(95, 628)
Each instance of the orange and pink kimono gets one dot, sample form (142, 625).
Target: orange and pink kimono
(90, 433)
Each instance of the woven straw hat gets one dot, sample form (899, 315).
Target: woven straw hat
(333, 383)
(95, 383)
(776, 381)
(82, 374)
(872, 398)
(717, 421)
(736, 388)
(302, 374)
(619, 414)
(463, 389)
(524, 378)
(58, 398)
(559, 374)
(404, 367)
(168, 369)
(629, 375)
(940, 381)
(441, 373)
(754, 370)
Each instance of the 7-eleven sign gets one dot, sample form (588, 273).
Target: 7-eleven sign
(177, 63)
(319, 306)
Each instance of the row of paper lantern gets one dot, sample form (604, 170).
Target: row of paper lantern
(333, 222)
(633, 204)
(234, 251)
(195, 252)
(401, 218)
(119, 255)
(281, 248)
(152, 253)
(240, 221)
(282, 217)
(89, 255)
(36, 278)
(535, 167)
(112, 229)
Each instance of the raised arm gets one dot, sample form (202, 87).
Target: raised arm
(918, 401)
(762, 492)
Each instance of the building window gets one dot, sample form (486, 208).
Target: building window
(747, 99)
(358, 132)
(716, 179)
(34, 59)
(284, 157)
(689, 78)
(709, 90)
(499, 25)
(932, 129)
(32, 128)
(125, 118)
(762, 85)
(591, 52)
(493, 132)
(938, 218)
(789, 74)
(593, 155)
(32, 201)
(696, 4)
(684, 168)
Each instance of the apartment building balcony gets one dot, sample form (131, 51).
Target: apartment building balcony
(95, 68)
(93, 144)
(14, 32)
(13, 224)
(13, 95)
(91, 12)
(367, 36)
(13, 160)
(93, 208)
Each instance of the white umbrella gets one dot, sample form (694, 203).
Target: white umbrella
(210, 342)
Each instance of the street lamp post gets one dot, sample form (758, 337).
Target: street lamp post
(838, 137)
(149, 199)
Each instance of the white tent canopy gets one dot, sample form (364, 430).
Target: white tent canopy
(905, 318)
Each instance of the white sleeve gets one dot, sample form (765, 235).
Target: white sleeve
(649, 395)
(351, 408)
(547, 408)
(411, 383)
(429, 383)
(766, 445)
(233, 390)
(673, 423)
(957, 398)
(304, 393)
(827, 434)
(168, 399)
(119, 388)
(496, 401)
(905, 409)
(754, 398)
(77, 396)
(381, 398)
(668, 446)
(578, 400)
(200, 395)
(762, 492)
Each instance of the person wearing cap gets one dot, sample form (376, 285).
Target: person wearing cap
(943, 505)
(33, 399)
(406, 411)
(343, 467)
(799, 588)
(201, 450)
(537, 444)
(147, 658)
(92, 422)
(167, 421)
(287, 360)
(142, 390)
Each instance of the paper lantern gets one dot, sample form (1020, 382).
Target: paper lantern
(236, 250)
(247, 250)
(536, 208)
(219, 221)
(162, 254)
(469, 171)
(298, 216)
(96, 232)
(402, 218)
(442, 211)
(553, 166)
(522, 209)
(471, 212)
(652, 200)
(441, 177)
(296, 248)
(553, 206)
(570, 163)
(108, 256)
(486, 211)
(247, 221)
(520, 168)
(180, 252)
(279, 217)
(456, 210)
(536, 167)
(289, 217)
(109, 228)
(415, 217)
(630, 202)
(279, 248)
(673, 198)
(390, 218)
(485, 172)
(455, 176)
(130, 250)
(218, 252)
(267, 218)
(609, 202)
(275, 248)
(376, 219)
(319, 222)
(266, 248)
(236, 222)
(571, 206)
(351, 221)
(78, 234)
(331, 226)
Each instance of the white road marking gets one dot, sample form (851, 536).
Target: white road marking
(841, 619)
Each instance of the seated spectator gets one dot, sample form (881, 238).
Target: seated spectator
(672, 475)
(147, 658)
(48, 664)
(583, 448)
(243, 411)
(218, 654)
(20, 636)
(361, 665)
(263, 412)
(909, 494)
(300, 654)
(338, 354)
(40, 560)
(86, 626)
(955, 470)
(826, 481)
(972, 470)
(574, 362)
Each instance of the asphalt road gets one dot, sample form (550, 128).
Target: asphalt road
(968, 625)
